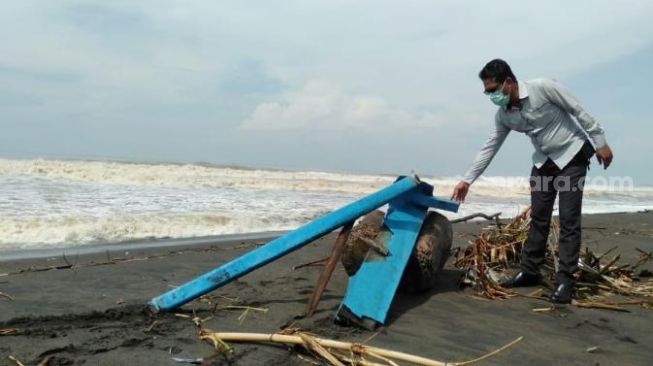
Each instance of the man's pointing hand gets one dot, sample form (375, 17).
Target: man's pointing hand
(460, 191)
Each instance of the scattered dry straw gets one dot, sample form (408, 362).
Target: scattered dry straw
(8, 331)
(488, 258)
(332, 351)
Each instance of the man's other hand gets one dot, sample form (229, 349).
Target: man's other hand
(604, 156)
(460, 191)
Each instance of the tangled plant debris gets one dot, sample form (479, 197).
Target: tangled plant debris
(332, 352)
(8, 331)
(307, 346)
(489, 257)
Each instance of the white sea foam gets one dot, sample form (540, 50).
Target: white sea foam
(49, 232)
(188, 175)
(55, 203)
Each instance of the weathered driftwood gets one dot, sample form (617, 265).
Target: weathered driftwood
(16, 361)
(317, 262)
(327, 271)
(303, 341)
(355, 249)
(327, 349)
(8, 331)
(373, 245)
(431, 252)
(493, 217)
(428, 257)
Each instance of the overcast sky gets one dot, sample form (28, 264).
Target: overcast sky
(359, 86)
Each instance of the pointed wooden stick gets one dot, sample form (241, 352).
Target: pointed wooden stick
(606, 267)
(492, 217)
(372, 244)
(8, 331)
(311, 263)
(598, 305)
(329, 266)
(16, 361)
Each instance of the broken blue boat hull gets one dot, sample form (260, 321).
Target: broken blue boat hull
(280, 246)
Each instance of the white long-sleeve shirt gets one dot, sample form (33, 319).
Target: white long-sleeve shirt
(545, 115)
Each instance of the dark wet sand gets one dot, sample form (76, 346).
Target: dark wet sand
(93, 315)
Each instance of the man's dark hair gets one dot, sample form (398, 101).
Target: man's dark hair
(498, 70)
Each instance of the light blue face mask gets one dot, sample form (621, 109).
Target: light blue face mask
(497, 97)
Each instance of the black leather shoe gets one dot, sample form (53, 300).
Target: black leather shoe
(562, 294)
(522, 279)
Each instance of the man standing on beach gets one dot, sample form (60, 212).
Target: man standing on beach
(543, 110)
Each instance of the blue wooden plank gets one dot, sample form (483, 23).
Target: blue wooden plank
(371, 290)
(280, 246)
(436, 202)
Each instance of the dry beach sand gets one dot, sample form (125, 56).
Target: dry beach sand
(93, 314)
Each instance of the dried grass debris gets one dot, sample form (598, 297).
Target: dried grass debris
(491, 255)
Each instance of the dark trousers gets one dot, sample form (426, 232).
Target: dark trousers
(547, 182)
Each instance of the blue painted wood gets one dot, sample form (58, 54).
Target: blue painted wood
(371, 290)
(280, 246)
(436, 202)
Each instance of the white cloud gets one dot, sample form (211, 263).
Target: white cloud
(323, 106)
(411, 55)
(219, 72)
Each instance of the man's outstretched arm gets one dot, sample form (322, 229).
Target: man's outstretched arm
(482, 160)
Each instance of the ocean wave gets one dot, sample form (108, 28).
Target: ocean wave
(55, 203)
(206, 176)
(28, 233)
(193, 175)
